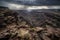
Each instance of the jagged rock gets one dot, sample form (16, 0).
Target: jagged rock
(36, 26)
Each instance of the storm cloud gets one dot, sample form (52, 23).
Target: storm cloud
(33, 2)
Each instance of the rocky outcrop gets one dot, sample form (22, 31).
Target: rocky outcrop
(15, 25)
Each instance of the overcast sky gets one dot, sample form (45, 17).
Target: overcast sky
(33, 2)
(21, 4)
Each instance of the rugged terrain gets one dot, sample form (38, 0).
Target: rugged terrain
(34, 25)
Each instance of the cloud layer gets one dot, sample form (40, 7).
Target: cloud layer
(34, 2)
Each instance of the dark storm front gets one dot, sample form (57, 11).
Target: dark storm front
(34, 2)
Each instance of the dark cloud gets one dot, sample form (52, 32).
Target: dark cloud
(33, 2)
